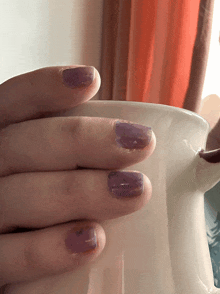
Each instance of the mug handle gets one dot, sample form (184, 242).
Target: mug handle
(212, 156)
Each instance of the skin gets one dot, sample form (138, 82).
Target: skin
(38, 193)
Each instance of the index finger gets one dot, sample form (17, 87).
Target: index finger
(45, 91)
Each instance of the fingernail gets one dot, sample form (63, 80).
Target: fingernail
(81, 240)
(78, 77)
(125, 184)
(132, 136)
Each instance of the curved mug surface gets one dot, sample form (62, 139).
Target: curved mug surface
(162, 248)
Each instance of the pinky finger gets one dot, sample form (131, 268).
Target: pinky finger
(54, 250)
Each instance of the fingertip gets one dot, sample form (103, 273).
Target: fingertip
(82, 81)
(148, 189)
(152, 144)
(78, 77)
(85, 238)
(78, 245)
(94, 87)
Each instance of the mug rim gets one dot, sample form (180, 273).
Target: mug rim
(151, 105)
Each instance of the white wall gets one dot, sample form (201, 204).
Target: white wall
(40, 33)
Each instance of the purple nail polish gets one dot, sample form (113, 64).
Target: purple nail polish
(81, 240)
(132, 136)
(125, 184)
(78, 77)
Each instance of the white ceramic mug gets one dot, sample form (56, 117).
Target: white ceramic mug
(162, 248)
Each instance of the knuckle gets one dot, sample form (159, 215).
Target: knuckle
(65, 190)
(2, 211)
(35, 261)
(71, 128)
(30, 256)
(4, 147)
(44, 254)
(65, 187)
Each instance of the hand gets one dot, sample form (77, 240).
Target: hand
(53, 176)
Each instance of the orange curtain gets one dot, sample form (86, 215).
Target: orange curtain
(174, 25)
(147, 49)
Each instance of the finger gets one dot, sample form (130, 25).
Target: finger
(65, 143)
(45, 91)
(37, 200)
(32, 255)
